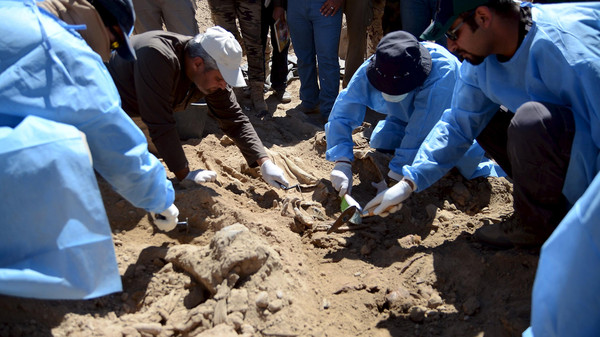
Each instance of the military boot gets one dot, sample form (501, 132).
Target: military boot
(257, 93)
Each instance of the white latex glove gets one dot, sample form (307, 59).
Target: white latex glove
(201, 176)
(380, 186)
(167, 219)
(273, 175)
(395, 176)
(341, 177)
(390, 200)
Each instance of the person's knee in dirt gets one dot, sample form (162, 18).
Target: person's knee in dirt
(205, 66)
(411, 84)
(511, 60)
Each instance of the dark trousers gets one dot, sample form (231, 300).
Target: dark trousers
(279, 59)
(533, 146)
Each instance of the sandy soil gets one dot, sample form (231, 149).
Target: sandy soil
(256, 261)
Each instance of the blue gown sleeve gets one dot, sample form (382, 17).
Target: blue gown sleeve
(453, 134)
(347, 114)
(565, 299)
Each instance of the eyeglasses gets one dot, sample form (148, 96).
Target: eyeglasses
(451, 34)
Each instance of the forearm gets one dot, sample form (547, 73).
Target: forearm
(236, 125)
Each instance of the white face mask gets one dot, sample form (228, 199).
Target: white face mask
(393, 98)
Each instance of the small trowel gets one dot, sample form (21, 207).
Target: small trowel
(351, 213)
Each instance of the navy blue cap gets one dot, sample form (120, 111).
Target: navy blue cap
(400, 64)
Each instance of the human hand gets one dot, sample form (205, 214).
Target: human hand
(167, 219)
(273, 175)
(330, 7)
(201, 176)
(390, 200)
(341, 177)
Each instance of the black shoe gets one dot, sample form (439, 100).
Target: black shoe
(508, 234)
(283, 96)
(307, 110)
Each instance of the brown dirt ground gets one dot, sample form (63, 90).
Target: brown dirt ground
(417, 272)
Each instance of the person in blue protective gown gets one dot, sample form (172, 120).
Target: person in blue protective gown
(565, 300)
(59, 109)
(411, 82)
(541, 62)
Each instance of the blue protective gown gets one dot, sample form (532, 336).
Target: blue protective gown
(57, 241)
(49, 71)
(407, 122)
(558, 62)
(566, 296)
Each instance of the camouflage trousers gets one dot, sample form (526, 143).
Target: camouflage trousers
(178, 16)
(375, 29)
(248, 15)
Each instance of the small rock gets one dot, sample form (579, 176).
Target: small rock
(409, 241)
(237, 300)
(434, 301)
(225, 140)
(275, 306)
(325, 304)
(262, 299)
(460, 193)
(236, 319)
(431, 210)
(417, 314)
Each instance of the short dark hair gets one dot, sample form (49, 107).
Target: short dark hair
(501, 7)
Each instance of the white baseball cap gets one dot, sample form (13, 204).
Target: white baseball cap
(222, 46)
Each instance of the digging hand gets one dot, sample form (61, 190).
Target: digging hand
(390, 200)
(273, 175)
(167, 219)
(201, 176)
(341, 177)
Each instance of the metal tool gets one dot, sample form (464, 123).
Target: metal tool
(343, 219)
(353, 213)
(283, 187)
(162, 217)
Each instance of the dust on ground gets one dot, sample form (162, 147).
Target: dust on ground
(257, 261)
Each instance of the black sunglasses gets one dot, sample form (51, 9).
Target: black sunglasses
(451, 34)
